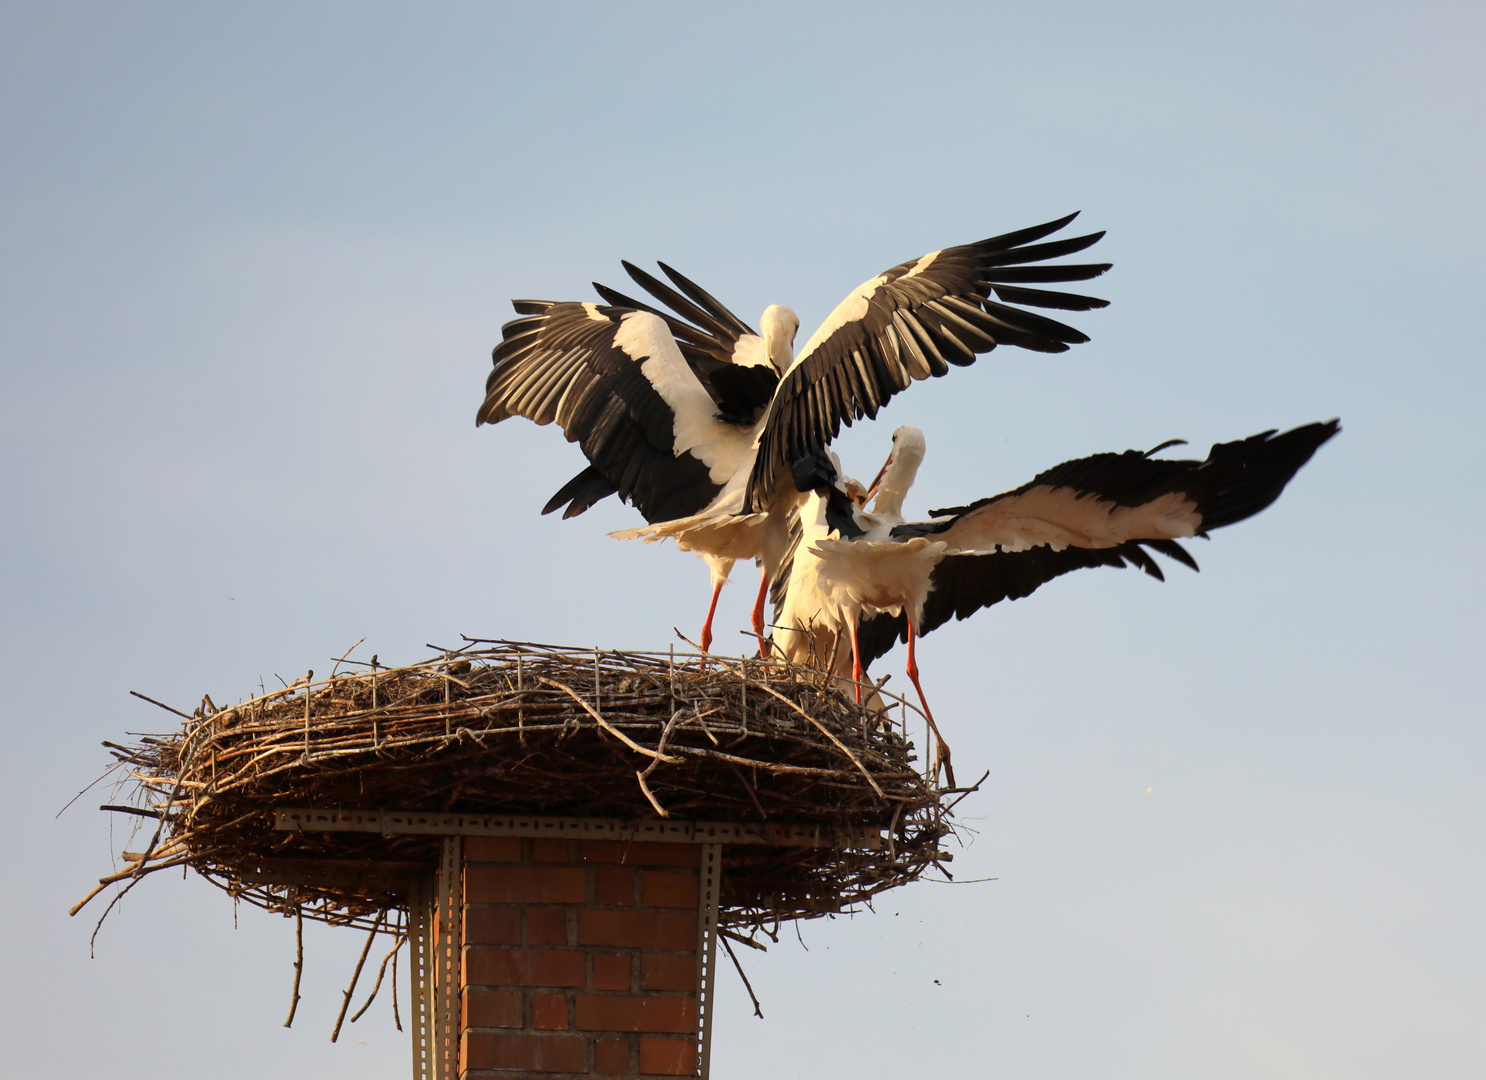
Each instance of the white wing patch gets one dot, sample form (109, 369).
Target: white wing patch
(750, 351)
(1059, 518)
(922, 265)
(721, 447)
(854, 307)
(850, 310)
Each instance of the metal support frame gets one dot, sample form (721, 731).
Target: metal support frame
(711, 881)
(420, 908)
(445, 1013)
(671, 831)
(434, 945)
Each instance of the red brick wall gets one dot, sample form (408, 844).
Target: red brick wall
(579, 958)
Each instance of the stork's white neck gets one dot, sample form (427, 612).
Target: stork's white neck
(900, 472)
(779, 325)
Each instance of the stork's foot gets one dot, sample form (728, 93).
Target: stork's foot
(942, 752)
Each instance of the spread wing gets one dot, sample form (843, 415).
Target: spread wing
(964, 584)
(1107, 499)
(915, 321)
(615, 382)
(727, 355)
(1104, 510)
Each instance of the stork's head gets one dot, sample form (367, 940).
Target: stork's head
(779, 325)
(899, 470)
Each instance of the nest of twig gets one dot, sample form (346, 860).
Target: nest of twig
(505, 728)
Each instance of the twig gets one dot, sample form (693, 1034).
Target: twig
(823, 730)
(85, 790)
(660, 745)
(610, 728)
(965, 793)
(154, 842)
(167, 708)
(93, 937)
(342, 658)
(378, 984)
(355, 976)
(746, 984)
(114, 879)
(298, 963)
(131, 810)
(396, 1017)
(762, 813)
(659, 809)
(965, 881)
(741, 940)
(308, 693)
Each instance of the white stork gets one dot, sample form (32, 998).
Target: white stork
(713, 431)
(882, 579)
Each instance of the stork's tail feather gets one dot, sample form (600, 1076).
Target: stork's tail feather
(581, 492)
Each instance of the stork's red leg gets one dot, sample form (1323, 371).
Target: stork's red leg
(857, 674)
(758, 614)
(711, 610)
(943, 749)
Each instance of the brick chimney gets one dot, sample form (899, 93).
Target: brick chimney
(579, 958)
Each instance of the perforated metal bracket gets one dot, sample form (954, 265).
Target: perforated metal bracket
(420, 908)
(446, 957)
(711, 881)
(434, 942)
(399, 822)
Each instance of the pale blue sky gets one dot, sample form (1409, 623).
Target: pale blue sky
(254, 259)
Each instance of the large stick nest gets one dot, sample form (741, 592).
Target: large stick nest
(504, 728)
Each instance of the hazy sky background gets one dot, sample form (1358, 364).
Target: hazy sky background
(255, 258)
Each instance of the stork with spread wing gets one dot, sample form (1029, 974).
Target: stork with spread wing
(715, 432)
(875, 578)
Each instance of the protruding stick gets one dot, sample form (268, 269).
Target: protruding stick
(298, 963)
(659, 809)
(308, 694)
(746, 984)
(396, 1016)
(376, 986)
(355, 977)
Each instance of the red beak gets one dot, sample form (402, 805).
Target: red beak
(877, 480)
